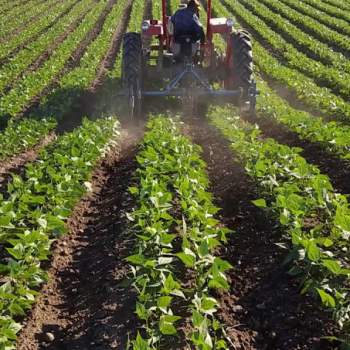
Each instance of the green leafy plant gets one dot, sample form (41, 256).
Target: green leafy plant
(34, 212)
(304, 202)
(175, 226)
(15, 68)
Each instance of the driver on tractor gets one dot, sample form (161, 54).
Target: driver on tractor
(186, 23)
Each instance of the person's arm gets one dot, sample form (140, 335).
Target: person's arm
(199, 29)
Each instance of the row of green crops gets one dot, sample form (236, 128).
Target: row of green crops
(333, 78)
(157, 10)
(334, 136)
(309, 45)
(22, 135)
(315, 28)
(73, 84)
(24, 13)
(134, 25)
(174, 266)
(319, 98)
(8, 7)
(336, 8)
(34, 29)
(337, 24)
(35, 82)
(11, 9)
(34, 211)
(13, 69)
(303, 201)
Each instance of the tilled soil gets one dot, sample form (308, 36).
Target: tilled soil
(263, 309)
(83, 306)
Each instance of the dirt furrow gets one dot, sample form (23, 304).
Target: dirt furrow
(111, 55)
(337, 169)
(263, 309)
(82, 306)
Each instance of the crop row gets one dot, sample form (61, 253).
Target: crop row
(34, 29)
(34, 212)
(19, 136)
(177, 235)
(303, 202)
(22, 135)
(35, 82)
(337, 24)
(10, 9)
(304, 42)
(156, 10)
(333, 78)
(333, 136)
(7, 7)
(311, 26)
(336, 8)
(134, 25)
(10, 71)
(75, 82)
(319, 98)
(25, 13)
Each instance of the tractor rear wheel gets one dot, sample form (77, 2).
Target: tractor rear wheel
(241, 68)
(132, 72)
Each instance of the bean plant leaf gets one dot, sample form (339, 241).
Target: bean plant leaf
(166, 324)
(261, 203)
(326, 298)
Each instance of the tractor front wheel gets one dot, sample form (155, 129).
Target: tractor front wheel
(132, 72)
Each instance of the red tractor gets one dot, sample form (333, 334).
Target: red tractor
(190, 70)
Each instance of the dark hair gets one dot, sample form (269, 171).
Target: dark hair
(193, 4)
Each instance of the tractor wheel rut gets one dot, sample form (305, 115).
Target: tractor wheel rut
(263, 310)
(82, 306)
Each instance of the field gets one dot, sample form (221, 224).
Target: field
(221, 230)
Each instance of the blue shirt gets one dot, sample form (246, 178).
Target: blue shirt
(186, 22)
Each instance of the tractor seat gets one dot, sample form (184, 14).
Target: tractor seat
(185, 46)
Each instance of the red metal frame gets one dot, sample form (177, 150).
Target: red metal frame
(214, 26)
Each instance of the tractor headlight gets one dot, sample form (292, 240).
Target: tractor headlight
(145, 26)
(230, 22)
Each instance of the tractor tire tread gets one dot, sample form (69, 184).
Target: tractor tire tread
(242, 60)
